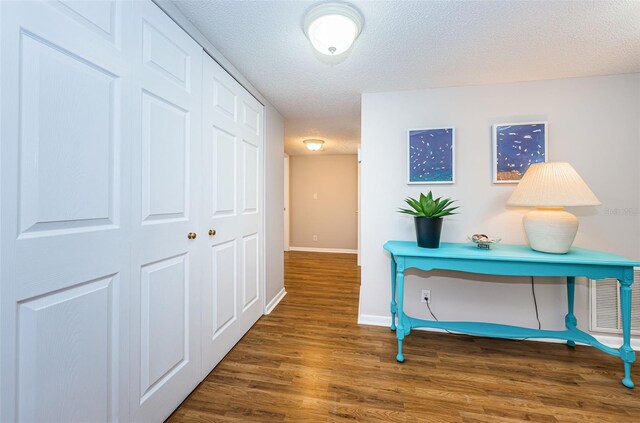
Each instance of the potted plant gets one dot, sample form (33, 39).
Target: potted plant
(428, 214)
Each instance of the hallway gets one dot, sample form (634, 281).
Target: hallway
(309, 361)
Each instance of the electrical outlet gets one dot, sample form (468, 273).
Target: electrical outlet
(425, 294)
(315, 237)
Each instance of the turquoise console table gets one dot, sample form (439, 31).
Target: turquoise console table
(513, 260)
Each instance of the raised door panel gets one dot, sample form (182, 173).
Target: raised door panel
(250, 166)
(250, 285)
(69, 133)
(97, 16)
(224, 101)
(165, 160)
(166, 57)
(251, 118)
(224, 291)
(224, 184)
(164, 334)
(68, 349)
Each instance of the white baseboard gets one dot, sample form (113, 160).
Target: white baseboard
(324, 250)
(608, 340)
(275, 301)
(614, 341)
(373, 320)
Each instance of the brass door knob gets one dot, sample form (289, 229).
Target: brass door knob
(212, 232)
(191, 235)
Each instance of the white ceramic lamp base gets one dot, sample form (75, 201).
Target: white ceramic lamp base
(550, 229)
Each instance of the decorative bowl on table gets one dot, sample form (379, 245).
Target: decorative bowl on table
(483, 241)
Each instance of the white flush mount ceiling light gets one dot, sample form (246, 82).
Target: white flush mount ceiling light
(332, 27)
(313, 145)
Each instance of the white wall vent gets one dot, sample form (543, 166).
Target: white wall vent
(605, 305)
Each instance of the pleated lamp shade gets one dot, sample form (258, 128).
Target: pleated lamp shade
(552, 185)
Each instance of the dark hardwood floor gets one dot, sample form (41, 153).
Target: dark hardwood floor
(309, 361)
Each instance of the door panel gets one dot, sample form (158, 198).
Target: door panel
(224, 173)
(250, 272)
(101, 17)
(98, 14)
(250, 165)
(165, 168)
(232, 150)
(251, 119)
(64, 172)
(54, 329)
(225, 101)
(165, 313)
(165, 56)
(225, 284)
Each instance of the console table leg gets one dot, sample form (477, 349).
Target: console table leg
(626, 352)
(393, 293)
(400, 330)
(570, 319)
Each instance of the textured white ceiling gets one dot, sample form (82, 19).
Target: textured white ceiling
(412, 45)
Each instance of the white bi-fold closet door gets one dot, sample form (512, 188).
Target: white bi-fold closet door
(119, 138)
(65, 212)
(232, 139)
(166, 207)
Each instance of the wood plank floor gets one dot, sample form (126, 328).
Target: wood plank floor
(310, 362)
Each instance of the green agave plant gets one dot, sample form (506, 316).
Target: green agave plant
(426, 206)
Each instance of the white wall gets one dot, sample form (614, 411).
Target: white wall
(593, 124)
(274, 195)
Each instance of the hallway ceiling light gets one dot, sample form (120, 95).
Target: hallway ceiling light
(332, 27)
(313, 145)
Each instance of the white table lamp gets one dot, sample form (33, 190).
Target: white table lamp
(549, 187)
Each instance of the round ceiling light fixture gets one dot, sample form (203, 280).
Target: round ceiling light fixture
(332, 27)
(313, 144)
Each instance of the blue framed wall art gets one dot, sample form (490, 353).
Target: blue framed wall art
(516, 146)
(431, 156)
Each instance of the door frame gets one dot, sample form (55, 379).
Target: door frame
(358, 211)
(287, 205)
(262, 207)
